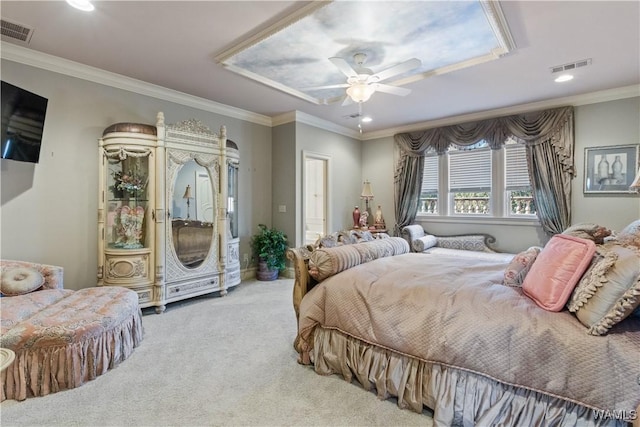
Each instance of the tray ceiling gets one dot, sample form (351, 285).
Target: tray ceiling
(293, 54)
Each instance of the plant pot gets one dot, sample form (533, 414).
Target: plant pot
(264, 274)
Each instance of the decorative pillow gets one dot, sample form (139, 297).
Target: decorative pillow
(425, 242)
(412, 232)
(20, 281)
(519, 266)
(471, 242)
(610, 289)
(630, 235)
(326, 262)
(589, 231)
(557, 269)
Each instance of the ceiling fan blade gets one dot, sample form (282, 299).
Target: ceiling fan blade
(343, 66)
(400, 68)
(394, 90)
(326, 87)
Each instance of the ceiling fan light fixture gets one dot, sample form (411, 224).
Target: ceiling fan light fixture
(360, 92)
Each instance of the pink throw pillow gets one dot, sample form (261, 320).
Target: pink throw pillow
(557, 270)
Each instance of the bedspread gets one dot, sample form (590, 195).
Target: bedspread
(438, 309)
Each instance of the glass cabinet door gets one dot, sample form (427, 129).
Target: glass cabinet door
(232, 194)
(126, 202)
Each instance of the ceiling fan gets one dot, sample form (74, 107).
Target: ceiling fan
(363, 82)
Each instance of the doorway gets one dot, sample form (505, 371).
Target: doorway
(315, 196)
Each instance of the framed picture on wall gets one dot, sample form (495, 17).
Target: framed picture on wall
(610, 169)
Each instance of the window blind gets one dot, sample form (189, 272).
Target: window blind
(470, 171)
(430, 175)
(516, 171)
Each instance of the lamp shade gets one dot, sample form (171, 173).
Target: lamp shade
(187, 193)
(360, 92)
(366, 191)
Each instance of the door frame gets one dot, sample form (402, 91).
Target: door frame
(327, 196)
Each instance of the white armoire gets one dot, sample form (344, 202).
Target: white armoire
(167, 214)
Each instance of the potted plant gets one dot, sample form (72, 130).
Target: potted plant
(269, 247)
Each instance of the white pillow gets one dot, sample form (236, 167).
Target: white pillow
(425, 242)
(20, 281)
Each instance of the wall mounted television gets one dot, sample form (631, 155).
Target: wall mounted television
(23, 115)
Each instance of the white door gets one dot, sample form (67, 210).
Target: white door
(204, 197)
(316, 172)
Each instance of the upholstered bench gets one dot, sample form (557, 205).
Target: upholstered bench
(61, 338)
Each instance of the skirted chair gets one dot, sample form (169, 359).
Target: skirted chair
(61, 338)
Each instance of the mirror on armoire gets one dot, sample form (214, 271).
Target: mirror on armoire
(193, 212)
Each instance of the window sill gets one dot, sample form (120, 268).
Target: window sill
(473, 219)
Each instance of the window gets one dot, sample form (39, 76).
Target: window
(470, 180)
(429, 193)
(517, 185)
(478, 181)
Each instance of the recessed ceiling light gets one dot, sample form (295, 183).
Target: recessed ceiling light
(366, 119)
(84, 5)
(563, 78)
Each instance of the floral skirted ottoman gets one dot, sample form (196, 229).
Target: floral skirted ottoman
(64, 338)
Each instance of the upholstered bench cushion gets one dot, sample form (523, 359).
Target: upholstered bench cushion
(73, 338)
(19, 308)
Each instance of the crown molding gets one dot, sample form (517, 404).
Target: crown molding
(308, 119)
(576, 100)
(59, 65)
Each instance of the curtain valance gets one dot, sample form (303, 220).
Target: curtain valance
(530, 128)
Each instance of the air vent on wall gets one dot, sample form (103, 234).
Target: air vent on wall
(16, 31)
(571, 66)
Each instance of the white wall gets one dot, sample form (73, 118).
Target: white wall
(345, 175)
(48, 211)
(284, 182)
(598, 125)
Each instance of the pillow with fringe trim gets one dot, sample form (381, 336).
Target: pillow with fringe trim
(609, 291)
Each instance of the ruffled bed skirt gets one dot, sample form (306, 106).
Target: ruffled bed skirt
(457, 397)
(40, 371)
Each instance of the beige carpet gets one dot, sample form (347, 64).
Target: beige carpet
(214, 361)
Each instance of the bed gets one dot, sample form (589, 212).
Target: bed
(442, 331)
